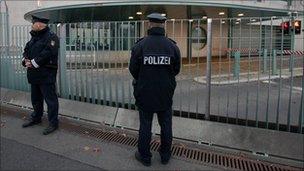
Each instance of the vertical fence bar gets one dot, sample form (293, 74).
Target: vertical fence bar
(7, 42)
(87, 59)
(189, 39)
(181, 71)
(103, 58)
(110, 67)
(24, 71)
(122, 65)
(280, 77)
(115, 66)
(197, 69)
(129, 48)
(81, 56)
(274, 62)
(21, 80)
(62, 61)
(258, 82)
(237, 56)
(249, 70)
(269, 74)
(26, 31)
(93, 61)
(291, 74)
(5, 52)
(220, 64)
(70, 70)
(265, 59)
(1, 50)
(208, 68)
(77, 62)
(238, 75)
(15, 58)
(229, 68)
(301, 113)
(97, 63)
(15, 62)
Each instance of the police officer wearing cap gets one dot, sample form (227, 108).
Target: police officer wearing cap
(40, 57)
(154, 63)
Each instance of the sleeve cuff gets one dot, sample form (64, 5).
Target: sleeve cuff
(34, 63)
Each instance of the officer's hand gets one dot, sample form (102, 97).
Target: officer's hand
(28, 64)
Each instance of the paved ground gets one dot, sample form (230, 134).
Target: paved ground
(28, 149)
(18, 156)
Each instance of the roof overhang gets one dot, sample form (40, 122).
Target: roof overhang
(117, 11)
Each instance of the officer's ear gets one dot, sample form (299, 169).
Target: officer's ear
(149, 24)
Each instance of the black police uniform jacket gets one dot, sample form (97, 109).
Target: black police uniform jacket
(43, 48)
(154, 63)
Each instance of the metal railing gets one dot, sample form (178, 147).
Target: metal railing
(243, 71)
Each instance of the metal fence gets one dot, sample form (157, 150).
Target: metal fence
(4, 44)
(243, 71)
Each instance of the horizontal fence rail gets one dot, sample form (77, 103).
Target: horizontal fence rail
(256, 72)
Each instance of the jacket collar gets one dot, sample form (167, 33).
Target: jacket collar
(158, 31)
(40, 32)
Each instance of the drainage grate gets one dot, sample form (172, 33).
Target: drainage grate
(226, 161)
(179, 150)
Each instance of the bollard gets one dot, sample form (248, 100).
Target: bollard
(236, 70)
(265, 60)
(274, 62)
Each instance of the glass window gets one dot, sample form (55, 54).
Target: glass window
(199, 38)
(114, 36)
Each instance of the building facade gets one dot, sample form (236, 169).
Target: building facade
(98, 24)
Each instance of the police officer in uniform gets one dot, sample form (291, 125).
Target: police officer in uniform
(154, 63)
(40, 57)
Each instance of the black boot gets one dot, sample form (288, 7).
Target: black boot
(50, 129)
(164, 160)
(31, 122)
(165, 157)
(140, 159)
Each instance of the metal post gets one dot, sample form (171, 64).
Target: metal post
(291, 75)
(274, 62)
(7, 42)
(301, 114)
(264, 60)
(208, 68)
(292, 37)
(236, 70)
(62, 61)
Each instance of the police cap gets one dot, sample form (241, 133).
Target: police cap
(156, 18)
(39, 19)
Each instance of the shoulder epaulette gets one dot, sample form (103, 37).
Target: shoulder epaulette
(139, 40)
(172, 40)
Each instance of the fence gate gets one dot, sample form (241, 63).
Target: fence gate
(243, 71)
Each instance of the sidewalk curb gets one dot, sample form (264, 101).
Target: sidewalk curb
(256, 140)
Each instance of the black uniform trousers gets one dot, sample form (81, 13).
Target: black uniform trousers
(47, 92)
(165, 122)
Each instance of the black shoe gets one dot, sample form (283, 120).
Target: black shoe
(164, 161)
(165, 158)
(31, 122)
(49, 129)
(139, 158)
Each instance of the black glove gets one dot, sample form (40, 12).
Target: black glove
(134, 82)
(23, 62)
